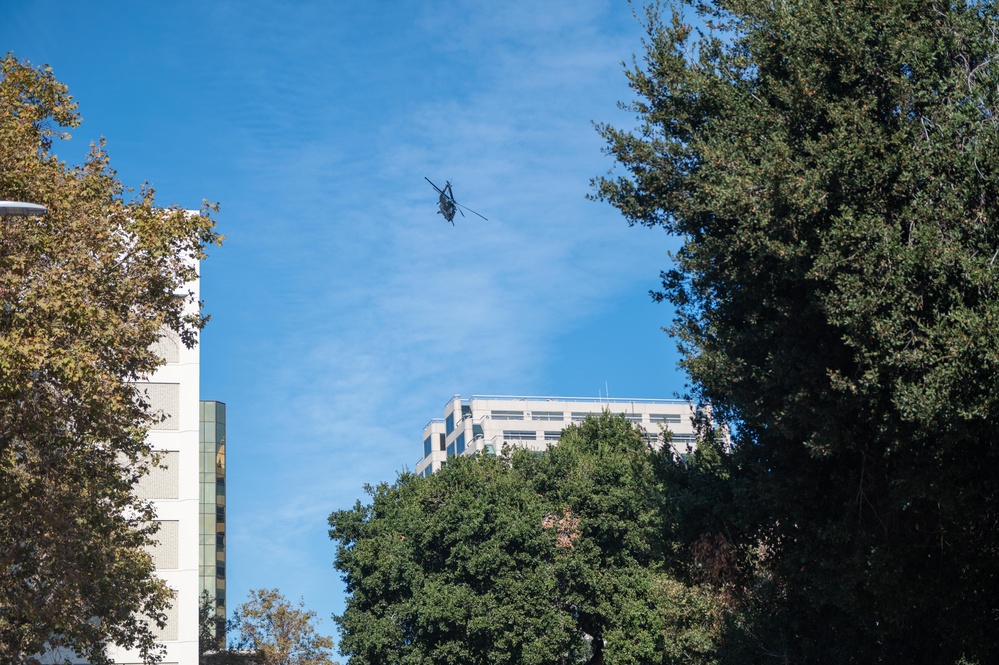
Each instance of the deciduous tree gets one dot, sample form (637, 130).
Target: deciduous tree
(269, 630)
(831, 168)
(85, 292)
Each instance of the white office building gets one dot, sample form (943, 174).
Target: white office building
(173, 487)
(175, 490)
(485, 423)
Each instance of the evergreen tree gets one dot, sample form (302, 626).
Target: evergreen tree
(831, 167)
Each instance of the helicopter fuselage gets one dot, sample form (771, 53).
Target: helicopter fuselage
(446, 204)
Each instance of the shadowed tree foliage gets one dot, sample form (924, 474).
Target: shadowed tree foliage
(85, 292)
(526, 559)
(831, 167)
(211, 626)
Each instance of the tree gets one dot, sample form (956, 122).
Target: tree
(272, 631)
(85, 291)
(831, 169)
(521, 558)
(614, 549)
(453, 568)
(211, 626)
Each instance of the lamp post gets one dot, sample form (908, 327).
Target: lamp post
(10, 208)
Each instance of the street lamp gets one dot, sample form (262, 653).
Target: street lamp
(10, 208)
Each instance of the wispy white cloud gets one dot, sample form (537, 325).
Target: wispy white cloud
(345, 311)
(371, 310)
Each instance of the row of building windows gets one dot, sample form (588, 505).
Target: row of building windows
(458, 446)
(580, 416)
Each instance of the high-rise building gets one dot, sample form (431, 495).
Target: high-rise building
(486, 423)
(173, 488)
(187, 490)
(212, 523)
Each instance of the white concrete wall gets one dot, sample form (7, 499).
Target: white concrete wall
(180, 434)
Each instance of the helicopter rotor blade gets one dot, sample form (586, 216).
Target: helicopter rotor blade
(433, 185)
(470, 210)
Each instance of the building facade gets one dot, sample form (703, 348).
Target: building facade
(173, 487)
(212, 514)
(187, 490)
(486, 423)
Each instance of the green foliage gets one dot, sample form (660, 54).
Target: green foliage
(84, 293)
(521, 559)
(451, 569)
(831, 168)
(211, 625)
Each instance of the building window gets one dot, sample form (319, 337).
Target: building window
(450, 450)
(426, 447)
(579, 416)
(519, 435)
(220, 541)
(442, 439)
(449, 423)
(220, 572)
(459, 444)
(634, 417)
(506, 415)
(664, 418)
(680, 441)
(553, 436)
(554, 416)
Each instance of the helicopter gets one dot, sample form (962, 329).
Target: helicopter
(446, 205)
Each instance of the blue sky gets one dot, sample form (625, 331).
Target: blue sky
(345, 312)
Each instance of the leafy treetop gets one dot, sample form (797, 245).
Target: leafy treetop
(85, 293)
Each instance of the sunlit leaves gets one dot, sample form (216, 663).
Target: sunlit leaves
(552, 558)
(85, 291)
